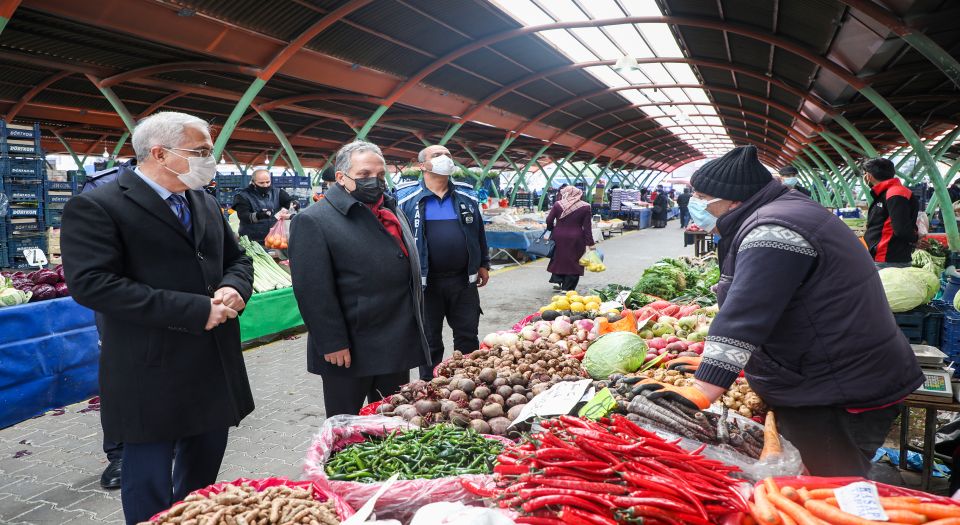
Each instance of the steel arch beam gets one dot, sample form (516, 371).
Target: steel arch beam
(276, 63)
(768, 148)
(7, 8)
(640, 133)
(178, 66)
(34, 91)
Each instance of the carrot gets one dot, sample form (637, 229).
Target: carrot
(787, 520)
(832, 501)
(930, 510)
(764, 511)
(771, 438)
(771, 486)
(833, 515)
(748, 518)
(821, 493)
(804, 494)
(900, 499)
(791, 494)
(906, 516)
(799, 514)
(945, 521)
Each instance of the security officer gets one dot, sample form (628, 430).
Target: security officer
(454, 259)
(257, 206)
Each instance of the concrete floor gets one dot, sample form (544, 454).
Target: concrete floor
(50, 466)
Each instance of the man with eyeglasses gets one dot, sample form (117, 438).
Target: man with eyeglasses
(260, 205)
(794, 293)
(151, 254)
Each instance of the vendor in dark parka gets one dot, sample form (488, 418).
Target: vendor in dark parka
(803, 313)
(356, 277)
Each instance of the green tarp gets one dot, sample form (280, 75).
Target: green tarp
(269, 313)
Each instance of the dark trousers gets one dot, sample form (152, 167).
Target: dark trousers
(157, 475)
(346, 395)
(457, 300)
(684, 217)
(113, 450)
(834, 442)
(566, 282)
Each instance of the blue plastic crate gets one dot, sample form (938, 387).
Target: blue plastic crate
(56, 200)
(233, 181)
(52, 216)
(32, 227)
(22, 169)
(950, 340)
(4, 256)
(292, 182)
(61, 185)
(19, 241)
(24, 212)
(20, 147)
(922, 325)
(19, 131)
(23, 192)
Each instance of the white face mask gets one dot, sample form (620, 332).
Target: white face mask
(442, 165)
(202, 170)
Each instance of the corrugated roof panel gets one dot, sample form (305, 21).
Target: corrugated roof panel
(489, 65)
(704, 43)
(459, 82)
(519, 105)
(395, 20)
(794, 69)
(749, 51)
(281, 19)
(355, 46)
(549, 92)
(812, 22)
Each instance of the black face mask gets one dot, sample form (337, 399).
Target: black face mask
(260, 190)
(369, 189)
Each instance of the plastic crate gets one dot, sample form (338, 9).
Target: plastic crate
(22, 169)
(233, 181)
(18, 241)
(950, 340)
(32, 227)
(20, 147)
(23, 192)
(292, 182)
(52, 216)
(922, 325)
(4, 255)
(19, 131)
(61, 185)
(24, 212)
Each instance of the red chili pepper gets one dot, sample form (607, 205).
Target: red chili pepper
(700, 449)
(649, 482)
(477, 490)
(591, 448)
(647, 511)
(597, 435)
(600, 499)
(591, 466)
(573, 501)
(511, 470)
(571, 421)
(510, 502)
(661, 503)
(574, 516)
(602, 488)
(558, 453)
(504, 459)
(580, 475)
(537, 520)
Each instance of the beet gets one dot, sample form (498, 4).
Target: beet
(496, 398)
(487, 375)
(475, 404)
(459, 396)
(499, 425)
(62, 290)
(514, 411)
(479, 425)
(516, 399)
(481, 392)
(491, 411)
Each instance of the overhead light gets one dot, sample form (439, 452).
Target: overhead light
(625, 64)
(105, 154)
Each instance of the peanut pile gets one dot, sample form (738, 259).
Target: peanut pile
(243, 505)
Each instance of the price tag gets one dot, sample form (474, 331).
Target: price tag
(35, 257)
(599, 406)
(861, 499)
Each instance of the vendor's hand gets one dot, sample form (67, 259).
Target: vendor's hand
(923, 244)
(483, 276)
(689, 396)
(219, 313)
(686, 365)
(263, 214)
(230, 298)
(339, 358)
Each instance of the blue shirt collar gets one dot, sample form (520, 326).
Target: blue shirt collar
(161, 191)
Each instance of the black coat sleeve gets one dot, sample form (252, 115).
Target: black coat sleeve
(904, 225)
(237, 267)
(315, 286)
(484, 249)
(285, 199)
(244, 210)
(93, 267)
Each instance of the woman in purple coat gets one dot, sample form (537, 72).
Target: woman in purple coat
(571, 229)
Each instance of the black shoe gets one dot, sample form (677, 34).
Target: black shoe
(111, 475)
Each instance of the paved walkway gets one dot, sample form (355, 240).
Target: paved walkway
(50, 466)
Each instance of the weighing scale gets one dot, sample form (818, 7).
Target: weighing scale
(936, 376)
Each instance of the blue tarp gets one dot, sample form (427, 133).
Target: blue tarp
(512, 240)
(48, 358)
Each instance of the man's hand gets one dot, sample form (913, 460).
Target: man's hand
(219, 313)
(230, 298)
(483, 277)
(263, 214)
(690, 396)
(339, 358)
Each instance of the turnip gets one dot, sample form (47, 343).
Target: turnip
(528, 333)
(562, 326)
(554, 337)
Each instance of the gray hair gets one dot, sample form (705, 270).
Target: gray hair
(345, 154)
(260, 170)
(422, 156)
(162, 129)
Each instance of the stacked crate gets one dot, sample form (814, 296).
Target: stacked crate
(23, 172)
(228, 186)
(300, 188)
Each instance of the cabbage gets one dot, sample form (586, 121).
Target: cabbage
(930, 281)
(10, 296)
(616, 352)
(956, 302)
(905, 288)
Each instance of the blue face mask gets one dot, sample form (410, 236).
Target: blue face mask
(790, 181)
(699, 214)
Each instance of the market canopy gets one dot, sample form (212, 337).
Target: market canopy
(632, 84)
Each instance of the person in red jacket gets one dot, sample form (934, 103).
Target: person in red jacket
(891, 234)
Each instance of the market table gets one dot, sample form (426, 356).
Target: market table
(48, 358)
(930, 406)
(518, 240)
(269, 313)
(702, 243)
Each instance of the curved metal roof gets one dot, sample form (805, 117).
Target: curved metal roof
(774, 74)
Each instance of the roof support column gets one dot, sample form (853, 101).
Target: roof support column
(940, 189)
(362, 134)
(273, 159)
(116, 150)
(69, 149)
(521, 176)
(116, 103)
(830, 138)
(549, 178)
(503, 147)
(851, 201)
(842, 141)
(241, 167)
(868, 149)
(825, 198)
(450, 133)
(284, 142)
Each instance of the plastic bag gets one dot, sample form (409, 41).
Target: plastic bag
(788, 462)
(404, 497)
(320, 493)
(813, 482)
(444, 513)
(592, 261)
(278, 236)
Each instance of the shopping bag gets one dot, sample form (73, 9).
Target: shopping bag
(592, 261)
(277, 236)
(542, 246)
